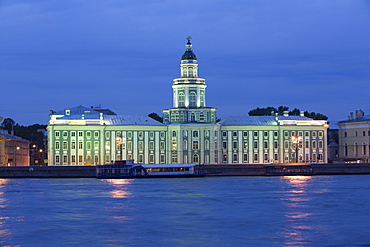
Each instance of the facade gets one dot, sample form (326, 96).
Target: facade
(14, 151)
(354, 138)
(189, 132)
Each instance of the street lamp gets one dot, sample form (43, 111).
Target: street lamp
(296, 140)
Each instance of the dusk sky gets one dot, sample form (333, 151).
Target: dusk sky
(123, 55)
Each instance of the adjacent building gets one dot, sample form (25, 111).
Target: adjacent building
(354, 138)
(189, 132)
(14, 151)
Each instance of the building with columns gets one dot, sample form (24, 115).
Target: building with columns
(189, 132)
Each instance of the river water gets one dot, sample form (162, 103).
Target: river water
(210, 211)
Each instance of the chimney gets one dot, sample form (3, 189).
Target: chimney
(351, 116)
(359, 114)
(301, 113)
(285, 113)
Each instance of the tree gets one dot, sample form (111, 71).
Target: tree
(280, 110)
(8, 124)
(155, 116)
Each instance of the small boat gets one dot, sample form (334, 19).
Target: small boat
(128, 169)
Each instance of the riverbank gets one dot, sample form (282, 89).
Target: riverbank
(208, 170)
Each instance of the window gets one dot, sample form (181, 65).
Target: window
(80, 145)
(245, 133)
(181, 99)
(57, 158)
(276, 157)
(73, 145)
(129, 134)
(141, 158)
(173, 133)
(88, 134)
(65, 133)
(107, 158)
(151, 158)
(185, 133)
(314, 134)
(88, 145)
(206, 145)
(265, 133)
(73, 158)
(193, 99)
(129, 146)
(65, 159)
(235, 145)
(80, 160)
(345, 134)
(65, 145)
(224, 158)
(245, 145)
(96, 134)
(162, 134)
(195, 145)
(276, 144)
(161, 158)
(300, 133)
(235, 134)
(151, 134)
(96, 145)
(174, 157)
(265, 157)
(174, 145)
(224, 133)
(140, 146)
(107, 134)
(73, 133)
(275, 133)
(57, 145)
(306, 133)
(107, 145)
(151, 145)
(196, 158)
(320, 134)
(57, 133)
(286, 144)
(320, 144)
(224, 145)
(80, 133)
(141, 135)
(235, 158)
(364, 149)
(313, 144)
(265, 144)
(286, 134)
(255, 144)
(206, 133)
(255, 157)
(306, 144)
(216, 145)
(245, 157)
(195, 133)
(255, 133)
(162, 146)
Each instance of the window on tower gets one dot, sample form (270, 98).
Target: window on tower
(193, 99)
(181, 100)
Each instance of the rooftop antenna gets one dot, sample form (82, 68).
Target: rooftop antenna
(188, 38)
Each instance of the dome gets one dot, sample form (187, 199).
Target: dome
(189, 54)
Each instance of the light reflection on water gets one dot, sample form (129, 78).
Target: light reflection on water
(295, 201)
(211, 211)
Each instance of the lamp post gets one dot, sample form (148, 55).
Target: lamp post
(295, 140)
(119, 143)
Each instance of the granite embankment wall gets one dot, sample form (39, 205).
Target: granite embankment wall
(209, 170)
(48, 172)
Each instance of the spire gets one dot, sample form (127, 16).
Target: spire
(189, 54)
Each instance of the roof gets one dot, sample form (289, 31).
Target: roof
(79, 110)
(130, 120)
(362, 119)
(259, 120)
(189, 54)
(13, 137)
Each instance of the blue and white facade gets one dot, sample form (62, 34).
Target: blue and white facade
(190, 133)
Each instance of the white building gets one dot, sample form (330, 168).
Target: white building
(190, 133)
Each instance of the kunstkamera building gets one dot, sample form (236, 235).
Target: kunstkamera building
(189, 132)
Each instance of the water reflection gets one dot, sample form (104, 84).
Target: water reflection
(296, 199)
(121, 187)
(3, 218)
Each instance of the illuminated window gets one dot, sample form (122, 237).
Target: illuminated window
(195, 145)
(80, 159)
(88, 145)
(73, 145)
(174, 145)
(88, 134)
(193, 99)
(65, 145)
(80, 145)
(96, 134)
(57, 158)
(96, 145)
(181, 99)
(245, 144)
(65, 158)
(73, 158)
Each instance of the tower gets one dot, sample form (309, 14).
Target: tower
(189, 93)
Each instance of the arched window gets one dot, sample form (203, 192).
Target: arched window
(181, 99)
(192, 117)
(193, 99)
(196, 158)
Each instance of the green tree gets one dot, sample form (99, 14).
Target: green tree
(280, 110)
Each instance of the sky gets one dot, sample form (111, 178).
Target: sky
(123, 55)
